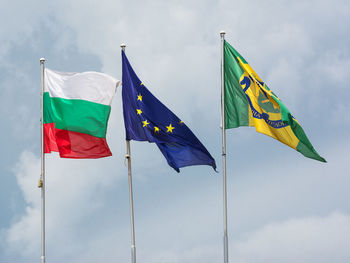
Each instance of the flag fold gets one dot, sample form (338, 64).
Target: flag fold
(76, 112)
(249, 102)
(147, 119)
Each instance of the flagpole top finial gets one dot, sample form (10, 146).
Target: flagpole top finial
(123, 45)
(42, 60)
(222, 32)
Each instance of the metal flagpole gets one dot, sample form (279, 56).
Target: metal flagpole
(131, 200)
(222, 34)
(42, 175)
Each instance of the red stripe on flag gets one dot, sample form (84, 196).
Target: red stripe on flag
(74, 144)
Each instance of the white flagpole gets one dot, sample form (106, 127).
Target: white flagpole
(131, 200)
(222, 34)
(42, 175)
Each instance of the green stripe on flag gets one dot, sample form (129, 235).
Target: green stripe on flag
(77, 115)
(236, 103)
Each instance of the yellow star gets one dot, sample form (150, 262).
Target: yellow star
(170, 128)
(139, 111)
(139, 97)
(156, 129)
(145, 123)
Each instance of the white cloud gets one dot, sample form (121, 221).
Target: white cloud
(74, 191)
(304, 240)
(174, 48)
(178, 218)
(21, 18)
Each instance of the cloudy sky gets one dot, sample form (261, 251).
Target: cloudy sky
(282, 207)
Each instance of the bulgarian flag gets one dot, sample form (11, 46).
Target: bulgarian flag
(76, 112)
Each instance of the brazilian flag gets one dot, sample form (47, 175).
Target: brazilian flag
(249, 102)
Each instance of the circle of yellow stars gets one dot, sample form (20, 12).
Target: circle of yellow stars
(145, 123)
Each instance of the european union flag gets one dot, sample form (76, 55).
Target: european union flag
(147, 119)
